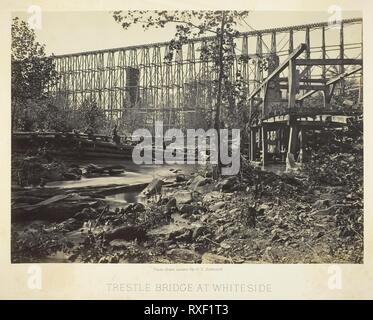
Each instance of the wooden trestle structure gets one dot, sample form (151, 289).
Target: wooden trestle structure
(141, 82)
(285, 126)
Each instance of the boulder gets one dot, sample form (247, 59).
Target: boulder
(198, 231)
(86, 214)
(190, 208)
(212, 197)
(183, 255)
(227, 184)
(120, 244)
(183, 197)
(171, 205)
(138, 207)
(199, 181)
(217, 206)
(214, 258)
(180, 178)
(184, 234)
(127, 233)
(153, 187)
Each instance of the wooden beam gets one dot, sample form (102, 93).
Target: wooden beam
(325, 62)
(304, 87)
(284, 79)
(264, 145)
(296, 53)
(344, 75)
(330, 82)
(292, 86)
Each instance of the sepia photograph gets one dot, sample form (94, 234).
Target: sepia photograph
(191, 136)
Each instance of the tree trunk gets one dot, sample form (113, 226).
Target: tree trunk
(219, 95)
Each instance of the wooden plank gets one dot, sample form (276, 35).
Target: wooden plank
(292, 84)
(296, 53)
(305, 87)
(330, 82)
(326, 62)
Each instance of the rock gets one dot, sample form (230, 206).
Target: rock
(180, 178)
(212, 196)
(120, 244)
(183, 197)
(225, 245)
(217, 206)
(127, 233)
(227, 184)
(70, 224)
(103, 260)
(184, 255)
(190, 209)
(153, 187)
(198, 231)
(199, 181)
(171, 205)
(248, 216)
(72, 257)
(214, 258)
(234, 211)
(86, 214)
(181, 235)
(138, 207)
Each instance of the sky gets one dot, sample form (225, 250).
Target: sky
(79, 31)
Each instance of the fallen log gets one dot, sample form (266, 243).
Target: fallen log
(55, 209)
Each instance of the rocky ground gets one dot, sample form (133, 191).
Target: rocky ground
(314, 215)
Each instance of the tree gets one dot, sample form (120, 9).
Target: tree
(91, 116)
(221, 25)
(32, 74)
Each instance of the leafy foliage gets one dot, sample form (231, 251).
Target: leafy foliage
(32, 73)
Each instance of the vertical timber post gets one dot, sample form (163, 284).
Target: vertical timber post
(292, 146)
(341, 56)
(252, 144)
(290, 162)
(292, 84)
(264, 143)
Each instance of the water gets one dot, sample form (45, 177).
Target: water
(133, 174)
